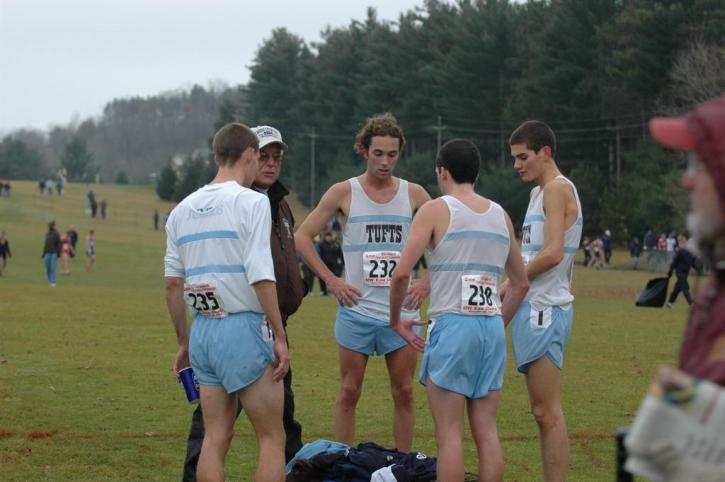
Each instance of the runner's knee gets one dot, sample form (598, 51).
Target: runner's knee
(349, 394)
(403, 394)
(546, 415)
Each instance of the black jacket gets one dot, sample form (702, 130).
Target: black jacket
(290, 287)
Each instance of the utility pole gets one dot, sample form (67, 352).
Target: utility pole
(312, 136)
(439, 128)
(619, 157)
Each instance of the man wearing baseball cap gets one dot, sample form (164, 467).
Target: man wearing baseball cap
(290, 287)
(678, 417)
(701, 132)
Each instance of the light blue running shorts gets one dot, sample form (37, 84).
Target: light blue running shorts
(233, 351)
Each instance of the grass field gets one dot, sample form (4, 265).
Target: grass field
(87, 393)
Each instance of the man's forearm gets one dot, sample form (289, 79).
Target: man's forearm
(177, 310)
(398, 288)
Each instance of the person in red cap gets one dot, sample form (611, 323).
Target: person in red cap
(701, 132)
(677, 419)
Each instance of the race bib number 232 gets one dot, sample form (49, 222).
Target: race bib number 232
(378, 267)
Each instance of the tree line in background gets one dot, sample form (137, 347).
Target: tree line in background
(595, 70)
(130, 141)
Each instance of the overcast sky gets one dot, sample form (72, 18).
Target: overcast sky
(61, 59)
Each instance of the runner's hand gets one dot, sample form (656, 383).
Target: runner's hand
(346, 294)
(418, 291)
(181, 360)
(405, 330)
(281, 359)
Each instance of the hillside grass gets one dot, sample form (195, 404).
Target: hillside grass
(87, 392)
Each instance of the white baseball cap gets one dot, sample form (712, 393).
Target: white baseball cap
(269, 135)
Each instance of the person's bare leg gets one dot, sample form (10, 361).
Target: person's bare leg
(219, 412)
(447, 409)
(543, 381)
(401, 368)
(482, 417)
(352, 372)
(263, 401)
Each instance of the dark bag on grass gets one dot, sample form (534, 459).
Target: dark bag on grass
(654, 294)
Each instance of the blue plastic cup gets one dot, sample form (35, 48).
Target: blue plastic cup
(191, 386)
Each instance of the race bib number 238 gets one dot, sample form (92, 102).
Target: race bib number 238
(479, 295)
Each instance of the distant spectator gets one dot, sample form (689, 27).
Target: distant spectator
(4, 188)
(156, 219)
(681, 264)
(635, 250)
(104, 206)
(90, 250)
(587, 247)
(4, 252)
(597, 245)
(66, 249)
(607, 246)
(41, 185)
(421, 263)
(62, 173)
(51, 251)
(49, 186)
(91, 200)
(73, 238)
(661, 252)
(331, 255)
(336, 226)
(94, 208)
(671, 247)
(649, 245)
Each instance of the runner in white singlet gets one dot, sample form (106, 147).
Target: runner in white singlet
(470, 239)
(376, 209)
(540, 330)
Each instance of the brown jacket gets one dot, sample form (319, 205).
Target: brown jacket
(290, 287)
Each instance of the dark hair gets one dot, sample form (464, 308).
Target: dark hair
(535, 134)
(231, 141)
(378, 125)
(461, 158)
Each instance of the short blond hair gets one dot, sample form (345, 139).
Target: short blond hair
(231, 141)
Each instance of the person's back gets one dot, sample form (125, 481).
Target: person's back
(218, 260)
(477, 240)
(214, 214)
(465, 351)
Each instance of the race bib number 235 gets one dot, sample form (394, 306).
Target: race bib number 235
(205, 299)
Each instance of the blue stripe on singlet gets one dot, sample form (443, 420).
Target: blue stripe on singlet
(354, 248)
(499, 238)
(374, 218)
(215, 268)
(529, 248)
(190, 238)
(534, 218)
(465, 267)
